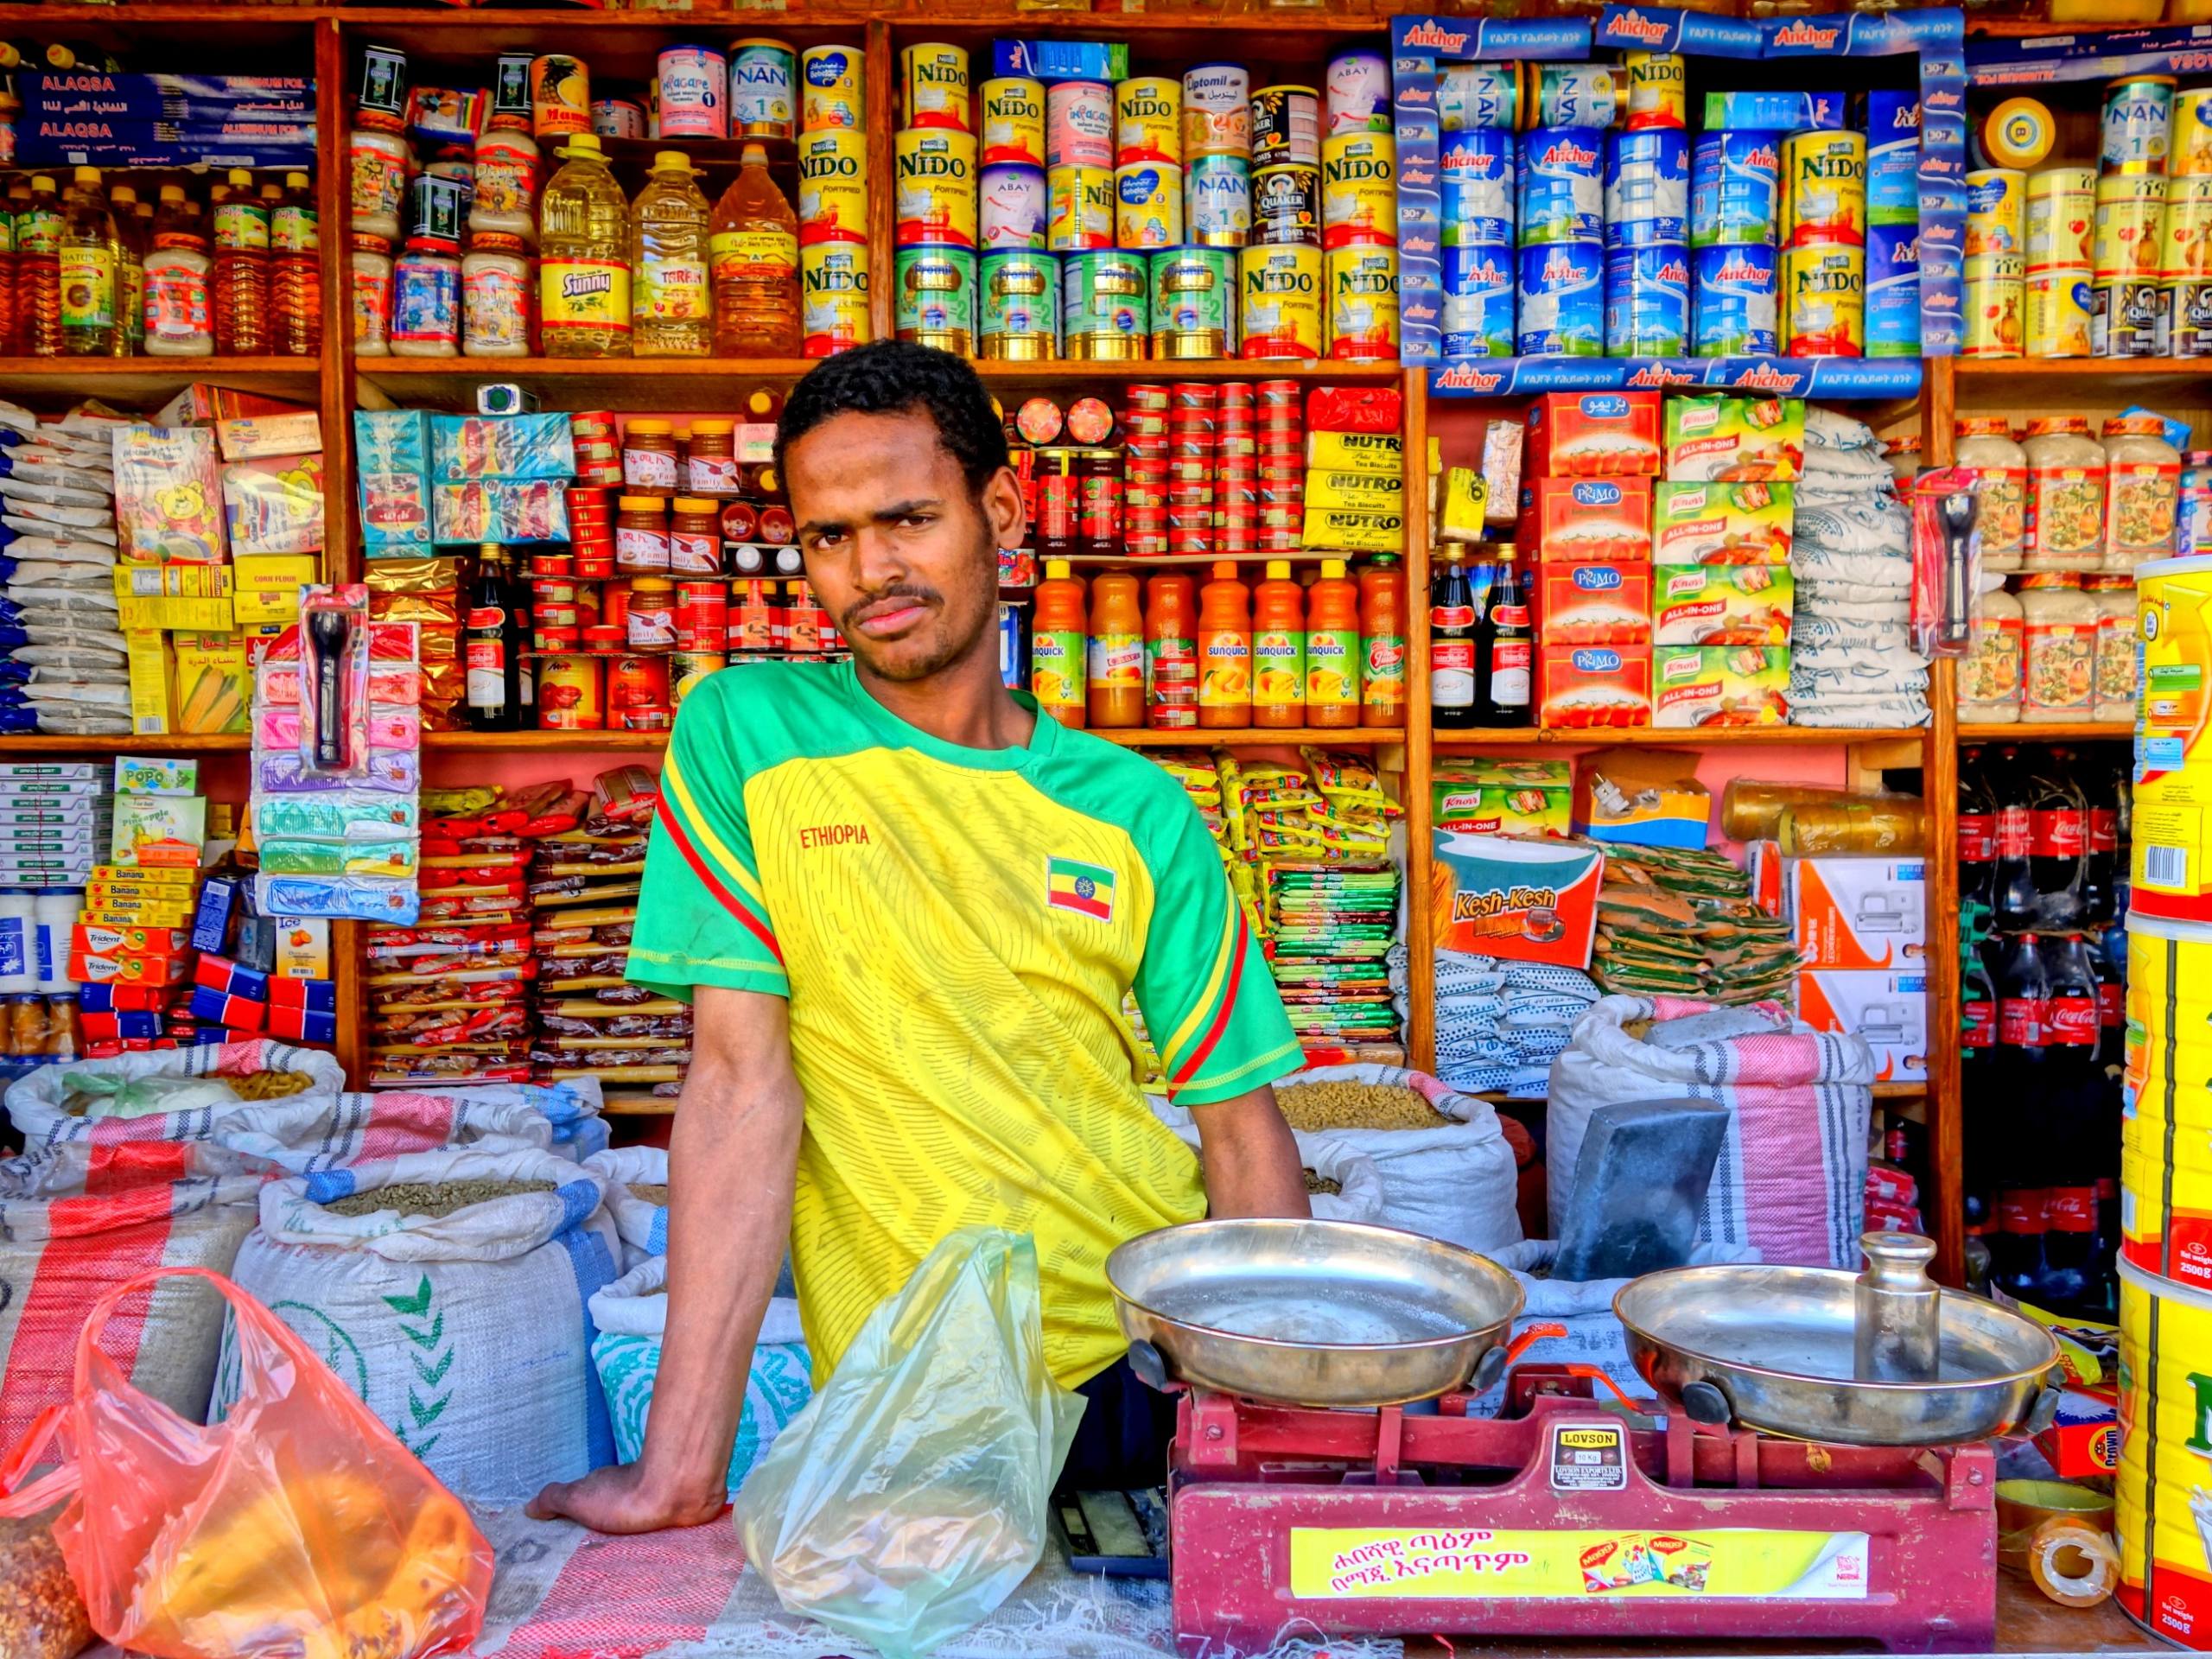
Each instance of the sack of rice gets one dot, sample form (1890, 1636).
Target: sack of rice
(1445, 1168)
(171, 1094)
(76, 1220)
(1791, 1178)
(636, 1198)
(318, 1132)
(631, 1315)
(449, 1290)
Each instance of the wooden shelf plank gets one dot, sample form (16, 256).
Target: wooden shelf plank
(1133, 737)
(131, 379)
(2066, 731)
(58, 743)
(1691, 738)
(417, 370)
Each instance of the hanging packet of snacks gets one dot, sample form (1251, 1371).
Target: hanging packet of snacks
(1946, 561)
(337, 763)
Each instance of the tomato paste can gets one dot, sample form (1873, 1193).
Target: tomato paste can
(936, 298)
(701, 614)
(936, 199)
(1013, 122)
(571, 694)
(833, 280)
(1218, 201)
(762, 104)
(1079, 208)
(1280, 309)
(1079, 124)
(1363, 284)
(694, 85)
(1010, 207)
(637, 694)
(1017, 305)
(1148, 206)
(1105, 305)
(1216, 111)
(1359, 189)
(933, 80)
(1148, 120)
(1194, 303)
(1286, 125)
(831, 89)
(833, 186)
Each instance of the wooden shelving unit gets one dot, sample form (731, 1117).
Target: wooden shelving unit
(323, 41)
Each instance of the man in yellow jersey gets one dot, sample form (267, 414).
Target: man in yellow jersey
(908, 906)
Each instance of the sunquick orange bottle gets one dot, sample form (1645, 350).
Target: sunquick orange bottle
(1058, 645)
(1171, 654)
(1116, 677)
(1383, 635)
(1332, 652)
(1224, 650)
(1278, 649)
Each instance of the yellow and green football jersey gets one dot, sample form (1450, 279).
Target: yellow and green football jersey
(954, 929)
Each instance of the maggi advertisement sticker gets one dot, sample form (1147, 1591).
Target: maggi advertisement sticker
(1357, 1563)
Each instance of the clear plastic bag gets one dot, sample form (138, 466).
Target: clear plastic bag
(910, 1497)
(298, 1527)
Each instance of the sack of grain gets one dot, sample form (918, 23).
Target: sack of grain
(1790, 1181)
(1341, 1184)
(631, 1315)
(78, 1219)
(1588, 1334)
(317, 1132)
(49, 1106)
(637, 1198)
(449, 1290)
(1445, 1168)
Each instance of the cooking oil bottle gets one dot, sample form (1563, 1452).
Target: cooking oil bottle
(673, 308)
(295, 280)
(179, 311)
(241, 270)
(583, 266)
(88, 260)
(755, 250)
(38, 269)
(10, 302)
(130, 244)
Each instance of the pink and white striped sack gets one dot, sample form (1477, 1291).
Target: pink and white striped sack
(1791, 1178)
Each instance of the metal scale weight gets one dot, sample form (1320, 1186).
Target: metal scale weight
(1822, 1469)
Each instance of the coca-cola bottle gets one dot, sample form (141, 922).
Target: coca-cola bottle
(2105, 1252)
(2112, 1009)
(2058, 839)
(2071, 1012)
(2011, 875)
(2015, 1265)
(2068, 1280)
(2101, 840)
(1977, 845)
(1977, 1002)
(2022, 989)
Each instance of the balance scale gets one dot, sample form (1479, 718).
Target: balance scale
(1562, 1518)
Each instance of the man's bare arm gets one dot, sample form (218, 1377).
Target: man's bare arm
(737, 1132)
(1248, 1157)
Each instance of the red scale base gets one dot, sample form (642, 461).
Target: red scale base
(1562, 1519)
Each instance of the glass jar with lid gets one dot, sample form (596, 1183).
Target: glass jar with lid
(1990, 673)
(495, 294)
(2142, 491)
(2066, 495)
(2059, 625)
(2114, 695)
(370, 276)
(1986, 448)
(649, 457)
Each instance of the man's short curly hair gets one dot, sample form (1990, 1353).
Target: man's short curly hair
(892, 377)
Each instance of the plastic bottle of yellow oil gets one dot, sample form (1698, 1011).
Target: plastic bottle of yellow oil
(583, 267)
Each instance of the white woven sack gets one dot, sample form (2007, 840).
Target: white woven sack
(1456, 1184)
(1791, 1177)
(1358, 1177)
(61, 1247)
(643, 1224)
(468, 1335)
(572, 1108)
(34, 1102)
(303, 1134)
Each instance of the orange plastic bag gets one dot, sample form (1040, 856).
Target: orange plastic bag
(297, 1526)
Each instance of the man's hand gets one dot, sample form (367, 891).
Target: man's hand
(618, 1499)
(733, 1162)
(1249, 1159)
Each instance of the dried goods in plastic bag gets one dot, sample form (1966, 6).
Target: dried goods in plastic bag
(909, 1498)
(42, 1616)
(297, 1526)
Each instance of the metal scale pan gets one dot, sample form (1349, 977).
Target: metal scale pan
(1773, 1348)
(1312, 1312)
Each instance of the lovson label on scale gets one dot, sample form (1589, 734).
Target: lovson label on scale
(1426, 1564)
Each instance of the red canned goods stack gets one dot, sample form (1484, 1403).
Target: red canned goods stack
(1280, 477)
(1193, 424)
(1144, 472)
(591, 532)
(598, 447)
(1237, 471)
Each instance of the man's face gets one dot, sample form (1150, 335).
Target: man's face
(902, 553)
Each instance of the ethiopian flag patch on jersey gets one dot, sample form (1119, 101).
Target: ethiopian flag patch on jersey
(1087, 889)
